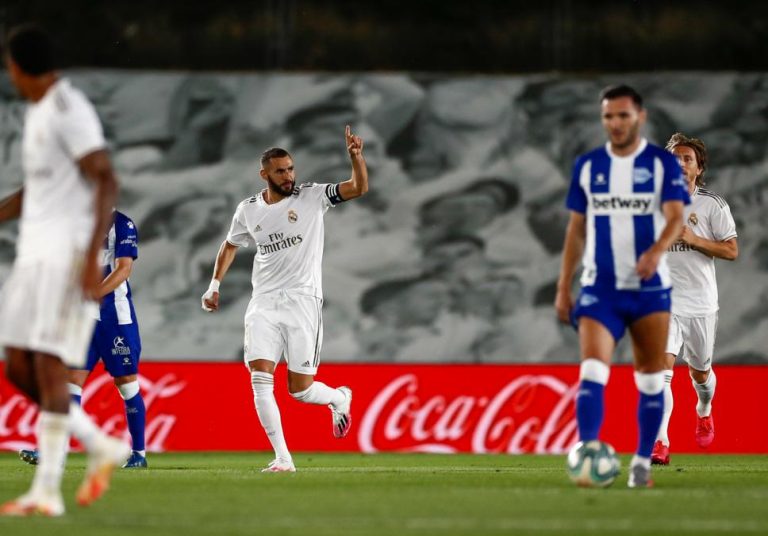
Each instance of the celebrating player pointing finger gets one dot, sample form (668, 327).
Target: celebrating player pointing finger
(284, 225)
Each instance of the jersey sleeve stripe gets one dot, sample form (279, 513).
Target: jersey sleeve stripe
(720, 201)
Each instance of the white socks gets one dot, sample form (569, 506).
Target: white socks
(52, 443)
(263, 385)
(669, 403)
(83, 428)
(319, 393)
(705, 392)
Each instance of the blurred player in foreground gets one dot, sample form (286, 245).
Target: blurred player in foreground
(709, 233)
(48, 304)
(284, 223)
(626, 201)
(116, 339)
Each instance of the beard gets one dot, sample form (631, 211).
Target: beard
(632, 134)
(280, 190)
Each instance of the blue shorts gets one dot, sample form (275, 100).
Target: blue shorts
(118, 345)
(617, 309)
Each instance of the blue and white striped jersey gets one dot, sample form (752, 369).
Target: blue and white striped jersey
(622, 197)
(122, 241)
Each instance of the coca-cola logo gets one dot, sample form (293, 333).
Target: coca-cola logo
(18, 416)
(531, 413)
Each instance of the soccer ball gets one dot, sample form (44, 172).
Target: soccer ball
(593, 464)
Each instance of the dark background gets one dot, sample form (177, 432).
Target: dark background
(418, 35)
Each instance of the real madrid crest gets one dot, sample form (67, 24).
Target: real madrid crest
(292, 216)
(693, 219)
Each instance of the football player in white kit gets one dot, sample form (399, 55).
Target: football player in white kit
(47, 305)
(284, 224)
(709, 233)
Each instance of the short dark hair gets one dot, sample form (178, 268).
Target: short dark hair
(31, 48)
(622, 90)
(679, 139)
(274, 152)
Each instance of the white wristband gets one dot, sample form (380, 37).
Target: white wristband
(214, 286)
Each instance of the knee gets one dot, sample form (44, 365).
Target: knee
(699, 376)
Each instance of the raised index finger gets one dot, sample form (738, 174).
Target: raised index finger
(348, 132)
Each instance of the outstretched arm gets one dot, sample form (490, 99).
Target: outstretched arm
(357, 184)
(224, 259)
(10, 206)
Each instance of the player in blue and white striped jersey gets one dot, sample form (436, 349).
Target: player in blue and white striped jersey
(116, 339)
(626, 201)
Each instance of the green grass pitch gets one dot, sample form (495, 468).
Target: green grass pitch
(399, 494)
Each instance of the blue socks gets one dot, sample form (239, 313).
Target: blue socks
(589, 409)
(650, 410)
(589, 400)
(135, 414)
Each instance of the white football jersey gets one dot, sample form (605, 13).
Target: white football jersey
(694, 285)
(288, 237)
(57, 210)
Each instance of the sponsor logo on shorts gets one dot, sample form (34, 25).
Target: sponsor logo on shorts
(588, 299)
(119, 347)
(306, 364)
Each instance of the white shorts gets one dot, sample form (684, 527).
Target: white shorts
(693, 339)
(42, 309)
(286, 324)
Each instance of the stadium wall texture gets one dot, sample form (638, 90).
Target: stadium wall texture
(499, 409)
(453, 255)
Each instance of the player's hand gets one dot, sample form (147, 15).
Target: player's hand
(354, 143)
(648, 263)
(91, 277)
(687, 236)
(210, 301)
(564, 305)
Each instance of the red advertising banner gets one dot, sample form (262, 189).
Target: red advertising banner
(411, 408)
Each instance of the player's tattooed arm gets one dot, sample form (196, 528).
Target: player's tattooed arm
(10, 206)
(573, 248)
(224, 258)
(357, 184)
(97, 168)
